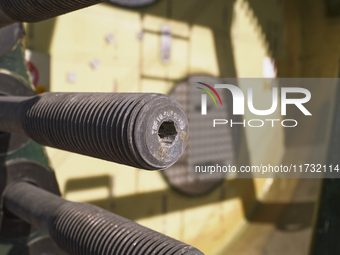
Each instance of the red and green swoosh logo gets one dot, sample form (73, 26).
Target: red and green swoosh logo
(209, 93)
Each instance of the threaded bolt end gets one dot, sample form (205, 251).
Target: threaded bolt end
(142, 130)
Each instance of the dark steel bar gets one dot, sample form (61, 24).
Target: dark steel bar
(133, 3)
(12, 11)
(143, 130)
(84, 229)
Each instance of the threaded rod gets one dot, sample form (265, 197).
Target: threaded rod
(84, 229)
(142, 130)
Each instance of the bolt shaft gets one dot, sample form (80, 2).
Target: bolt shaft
(84, 229)
(120, 127)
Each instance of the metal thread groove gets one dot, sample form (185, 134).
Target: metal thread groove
(84, 229)
(38, 10)
(120, 237)
(117, 127)
(88, 124)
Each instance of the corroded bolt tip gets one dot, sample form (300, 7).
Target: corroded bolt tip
(161, 132)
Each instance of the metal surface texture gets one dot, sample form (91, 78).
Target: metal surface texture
(29, 171)
(143, 130)
(9, 85)
(9, 37)
(132, 3)
(12, 11)
(12, 80)
(86, 229)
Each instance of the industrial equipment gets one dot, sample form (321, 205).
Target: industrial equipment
(144, 130)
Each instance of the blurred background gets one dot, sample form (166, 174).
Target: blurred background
(158, 48)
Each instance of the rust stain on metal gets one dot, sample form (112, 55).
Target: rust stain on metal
(183, 135)
(162, 152)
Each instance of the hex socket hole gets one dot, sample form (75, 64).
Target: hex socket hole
(167, 133)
